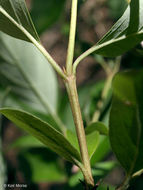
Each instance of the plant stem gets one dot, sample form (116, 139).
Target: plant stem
(94, 48)
(110, 74)
(72, 34)
(104, 94)
(74, 102)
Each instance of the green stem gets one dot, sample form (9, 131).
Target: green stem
(74, 102)
(94, 48)
(36, 43)
(110, 74)
(71, 45)
(100, 103)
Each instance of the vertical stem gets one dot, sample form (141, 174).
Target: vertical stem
(71, 44)
(74, 102)
(100, 103)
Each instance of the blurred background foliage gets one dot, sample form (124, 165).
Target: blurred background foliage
(24, 159)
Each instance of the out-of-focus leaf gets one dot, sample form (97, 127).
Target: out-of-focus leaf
(40, 165)
(97, 126)
(15, 19)
(27, 141)
(102, 150)
(126, 120)
(23, 68)
(2, 164)
(114, 10)
(45, 13)
(106, 187)
(44, 132)
(92, 142)
(72, 138)
(3, 175)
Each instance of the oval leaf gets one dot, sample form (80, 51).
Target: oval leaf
(126, 120)
(44, 132)
(15, 18)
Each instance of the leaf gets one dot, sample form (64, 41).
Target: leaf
(124, 35)
(35, 168)
(126, 120)
(44, 132)
(72, 138)
(114, 11)
(27, 141)
(92, 142)
(15, 19)
(102, 150)
(46, 16)
(25, 70)
(97, 126)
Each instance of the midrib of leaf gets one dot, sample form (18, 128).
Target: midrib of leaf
(36, 91)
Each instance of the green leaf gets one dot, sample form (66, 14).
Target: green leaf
(92, 142)
(126, 120)
(25, 70)
(102, 150)
(114, 10)
(35, 168)
(125, 34)
(48, 13)
(44, 132)
(27, 141)
(15, 19)
(72, 138)
(97, 126)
